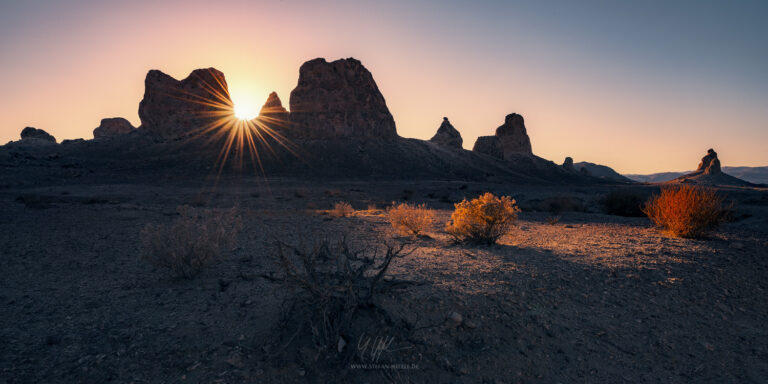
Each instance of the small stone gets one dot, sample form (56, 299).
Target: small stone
(455, 319)
(341, 344)
(236, 361)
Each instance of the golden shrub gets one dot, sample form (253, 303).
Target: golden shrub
(686, 211)
(410, 219)
(482, 220)
(342, 209)
(190, 242)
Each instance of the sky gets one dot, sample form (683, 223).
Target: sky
(642, 87)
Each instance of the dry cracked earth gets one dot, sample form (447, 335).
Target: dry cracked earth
(570, 296)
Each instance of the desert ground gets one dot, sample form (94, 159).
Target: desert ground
(572, 294)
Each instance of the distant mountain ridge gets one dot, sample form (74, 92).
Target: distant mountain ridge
(757, 175)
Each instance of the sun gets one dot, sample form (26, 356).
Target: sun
(245, 111)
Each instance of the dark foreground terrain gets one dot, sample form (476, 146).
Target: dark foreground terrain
(586, 298)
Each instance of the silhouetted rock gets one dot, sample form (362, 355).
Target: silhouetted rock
(30, 133)
(510, 141)
(273, 114)
(339, 99)
(600, 171)
(513, 136)
(709, 164)
(447, 135)
(173, 108)
(709, 173)
(488, 145)
(568, 164)
(113, 126)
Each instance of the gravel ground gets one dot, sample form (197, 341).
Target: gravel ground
(588, 298)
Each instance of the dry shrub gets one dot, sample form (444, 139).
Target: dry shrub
(686, 211)
(552, 220)
(623, 203)
(482, 220)
(410, 219)
(190, 242)
(336, 288)
(342, 209)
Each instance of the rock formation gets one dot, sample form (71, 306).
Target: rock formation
(32, 134)
(273, 115)
(447, 135)
(511, 139)
(513, 136)
(568, 164)
(339, 99)
(710, 164)
(113, 126)
(709, 173)
(489, 145)
(173, 108)
(600, 171)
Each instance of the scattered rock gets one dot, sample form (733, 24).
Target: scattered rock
(235, 360)
(172, 108)
(447, 135)
(455, 319)
(339, 99)
(113, 126)
(31, 133)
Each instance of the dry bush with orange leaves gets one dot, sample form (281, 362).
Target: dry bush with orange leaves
(342, 209)
(410, 219)
(192, 241)
(686, 211)
(482, 220)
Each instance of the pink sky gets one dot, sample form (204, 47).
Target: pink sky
(629, 102)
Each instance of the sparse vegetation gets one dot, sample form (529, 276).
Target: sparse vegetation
(482, 220)
(623, 203)
(552, 220)
(191, 242)
(342, 209)
(335, 284)
(686, 211)
(410, 219)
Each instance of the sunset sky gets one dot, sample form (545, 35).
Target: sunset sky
(641, 86)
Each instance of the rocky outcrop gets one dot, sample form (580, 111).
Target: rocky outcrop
(172, 108)
(447, 135)
(510, 141)
(710, 164)
(600, 171)
(488, 145)
(273, 115)
(339, 99)
(568, 164)
(513, 136)
(113, 126)
(34, 134)
(709, 172)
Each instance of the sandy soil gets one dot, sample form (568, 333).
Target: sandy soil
(590, 298)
